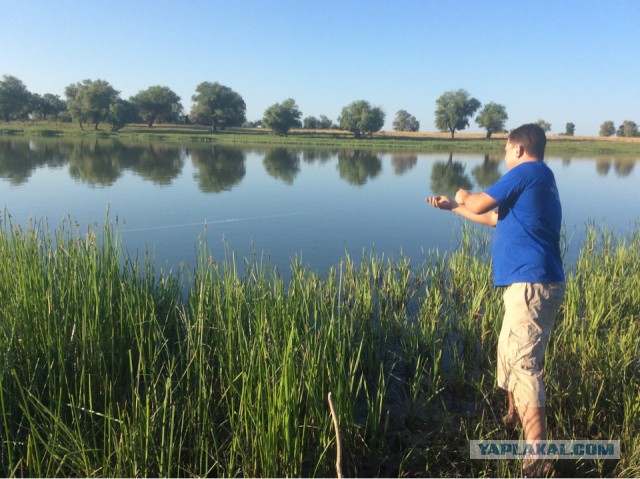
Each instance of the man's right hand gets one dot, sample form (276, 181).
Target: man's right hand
(441, 202)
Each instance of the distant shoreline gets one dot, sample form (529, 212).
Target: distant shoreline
(385, 140)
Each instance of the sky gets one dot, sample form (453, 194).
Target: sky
(557, 60)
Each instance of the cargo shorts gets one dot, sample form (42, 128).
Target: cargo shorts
(530, 311)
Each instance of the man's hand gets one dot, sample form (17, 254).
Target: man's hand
(461, 196)
(442, 202)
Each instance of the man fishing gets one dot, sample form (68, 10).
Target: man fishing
(524, 207)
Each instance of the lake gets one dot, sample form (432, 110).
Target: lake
(315, 205)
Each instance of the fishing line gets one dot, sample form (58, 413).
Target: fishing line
(207, 222)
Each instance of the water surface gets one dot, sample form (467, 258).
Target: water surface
(280, 203)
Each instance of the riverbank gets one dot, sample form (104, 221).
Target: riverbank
(109, 370)
(381, 141)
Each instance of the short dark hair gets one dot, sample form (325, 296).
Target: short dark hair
(531, 137)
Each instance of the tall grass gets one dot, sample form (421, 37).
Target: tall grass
(107, 370)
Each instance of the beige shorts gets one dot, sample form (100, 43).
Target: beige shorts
(530, 311)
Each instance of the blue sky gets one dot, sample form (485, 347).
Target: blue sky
(561, 61)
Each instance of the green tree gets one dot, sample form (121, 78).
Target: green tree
(217, 105)
(90, 101)
(628, 129)
(313, 123)
(281, 117)
(47, 105)
(492, 118)
(74, 106)
(122, 112)
(405, 122)
(157, 103)
(453, 110)
(310, 123)
(570, 129)
(14, 98)
(544, 125)
(324, 123)
(608, 128)
(361, 118)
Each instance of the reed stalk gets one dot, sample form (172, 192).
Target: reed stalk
(107, 369)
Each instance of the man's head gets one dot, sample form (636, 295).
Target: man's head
(530, 138)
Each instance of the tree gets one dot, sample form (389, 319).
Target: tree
(90, 101)
(361, 118)
(405, 122)
(570, 129)
(310, 123)
(157, 103)
(628, 129)
(544, 125)
(14, 98)
(218, 105)
(47, 105)
(122, 112)
(492, 118)
(324, 123)
(608, 128)
(313, 123)
(453, 110)
(281, 117)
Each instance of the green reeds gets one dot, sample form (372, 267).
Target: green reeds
(106, 370)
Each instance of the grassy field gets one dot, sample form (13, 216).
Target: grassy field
(382, 141)
(108, 369)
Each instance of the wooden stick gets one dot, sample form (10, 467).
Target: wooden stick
(338, 440)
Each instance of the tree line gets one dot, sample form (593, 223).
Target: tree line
(91, 102)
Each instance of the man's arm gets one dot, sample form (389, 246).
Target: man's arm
(489, 218)
(477, 203)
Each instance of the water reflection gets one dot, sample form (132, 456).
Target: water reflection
(318, 156)
(19, 157)
(358, 167)
(102, 162)
(623, 167)
(282, 163)
(95, 163)
(218, 168)
(448, 176)
(293, 201)
(403, 162)
(488, 172)
(160, 164)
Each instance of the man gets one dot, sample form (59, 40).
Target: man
(524, 207)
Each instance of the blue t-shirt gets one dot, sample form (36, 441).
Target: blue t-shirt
(526, 244)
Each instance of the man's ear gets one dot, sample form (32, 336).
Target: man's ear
(519, 151)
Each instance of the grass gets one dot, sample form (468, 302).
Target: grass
(382, 141)
(108, 369)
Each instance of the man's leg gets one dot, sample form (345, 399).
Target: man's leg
(511, 417)
(534, 423)
(529, 315)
